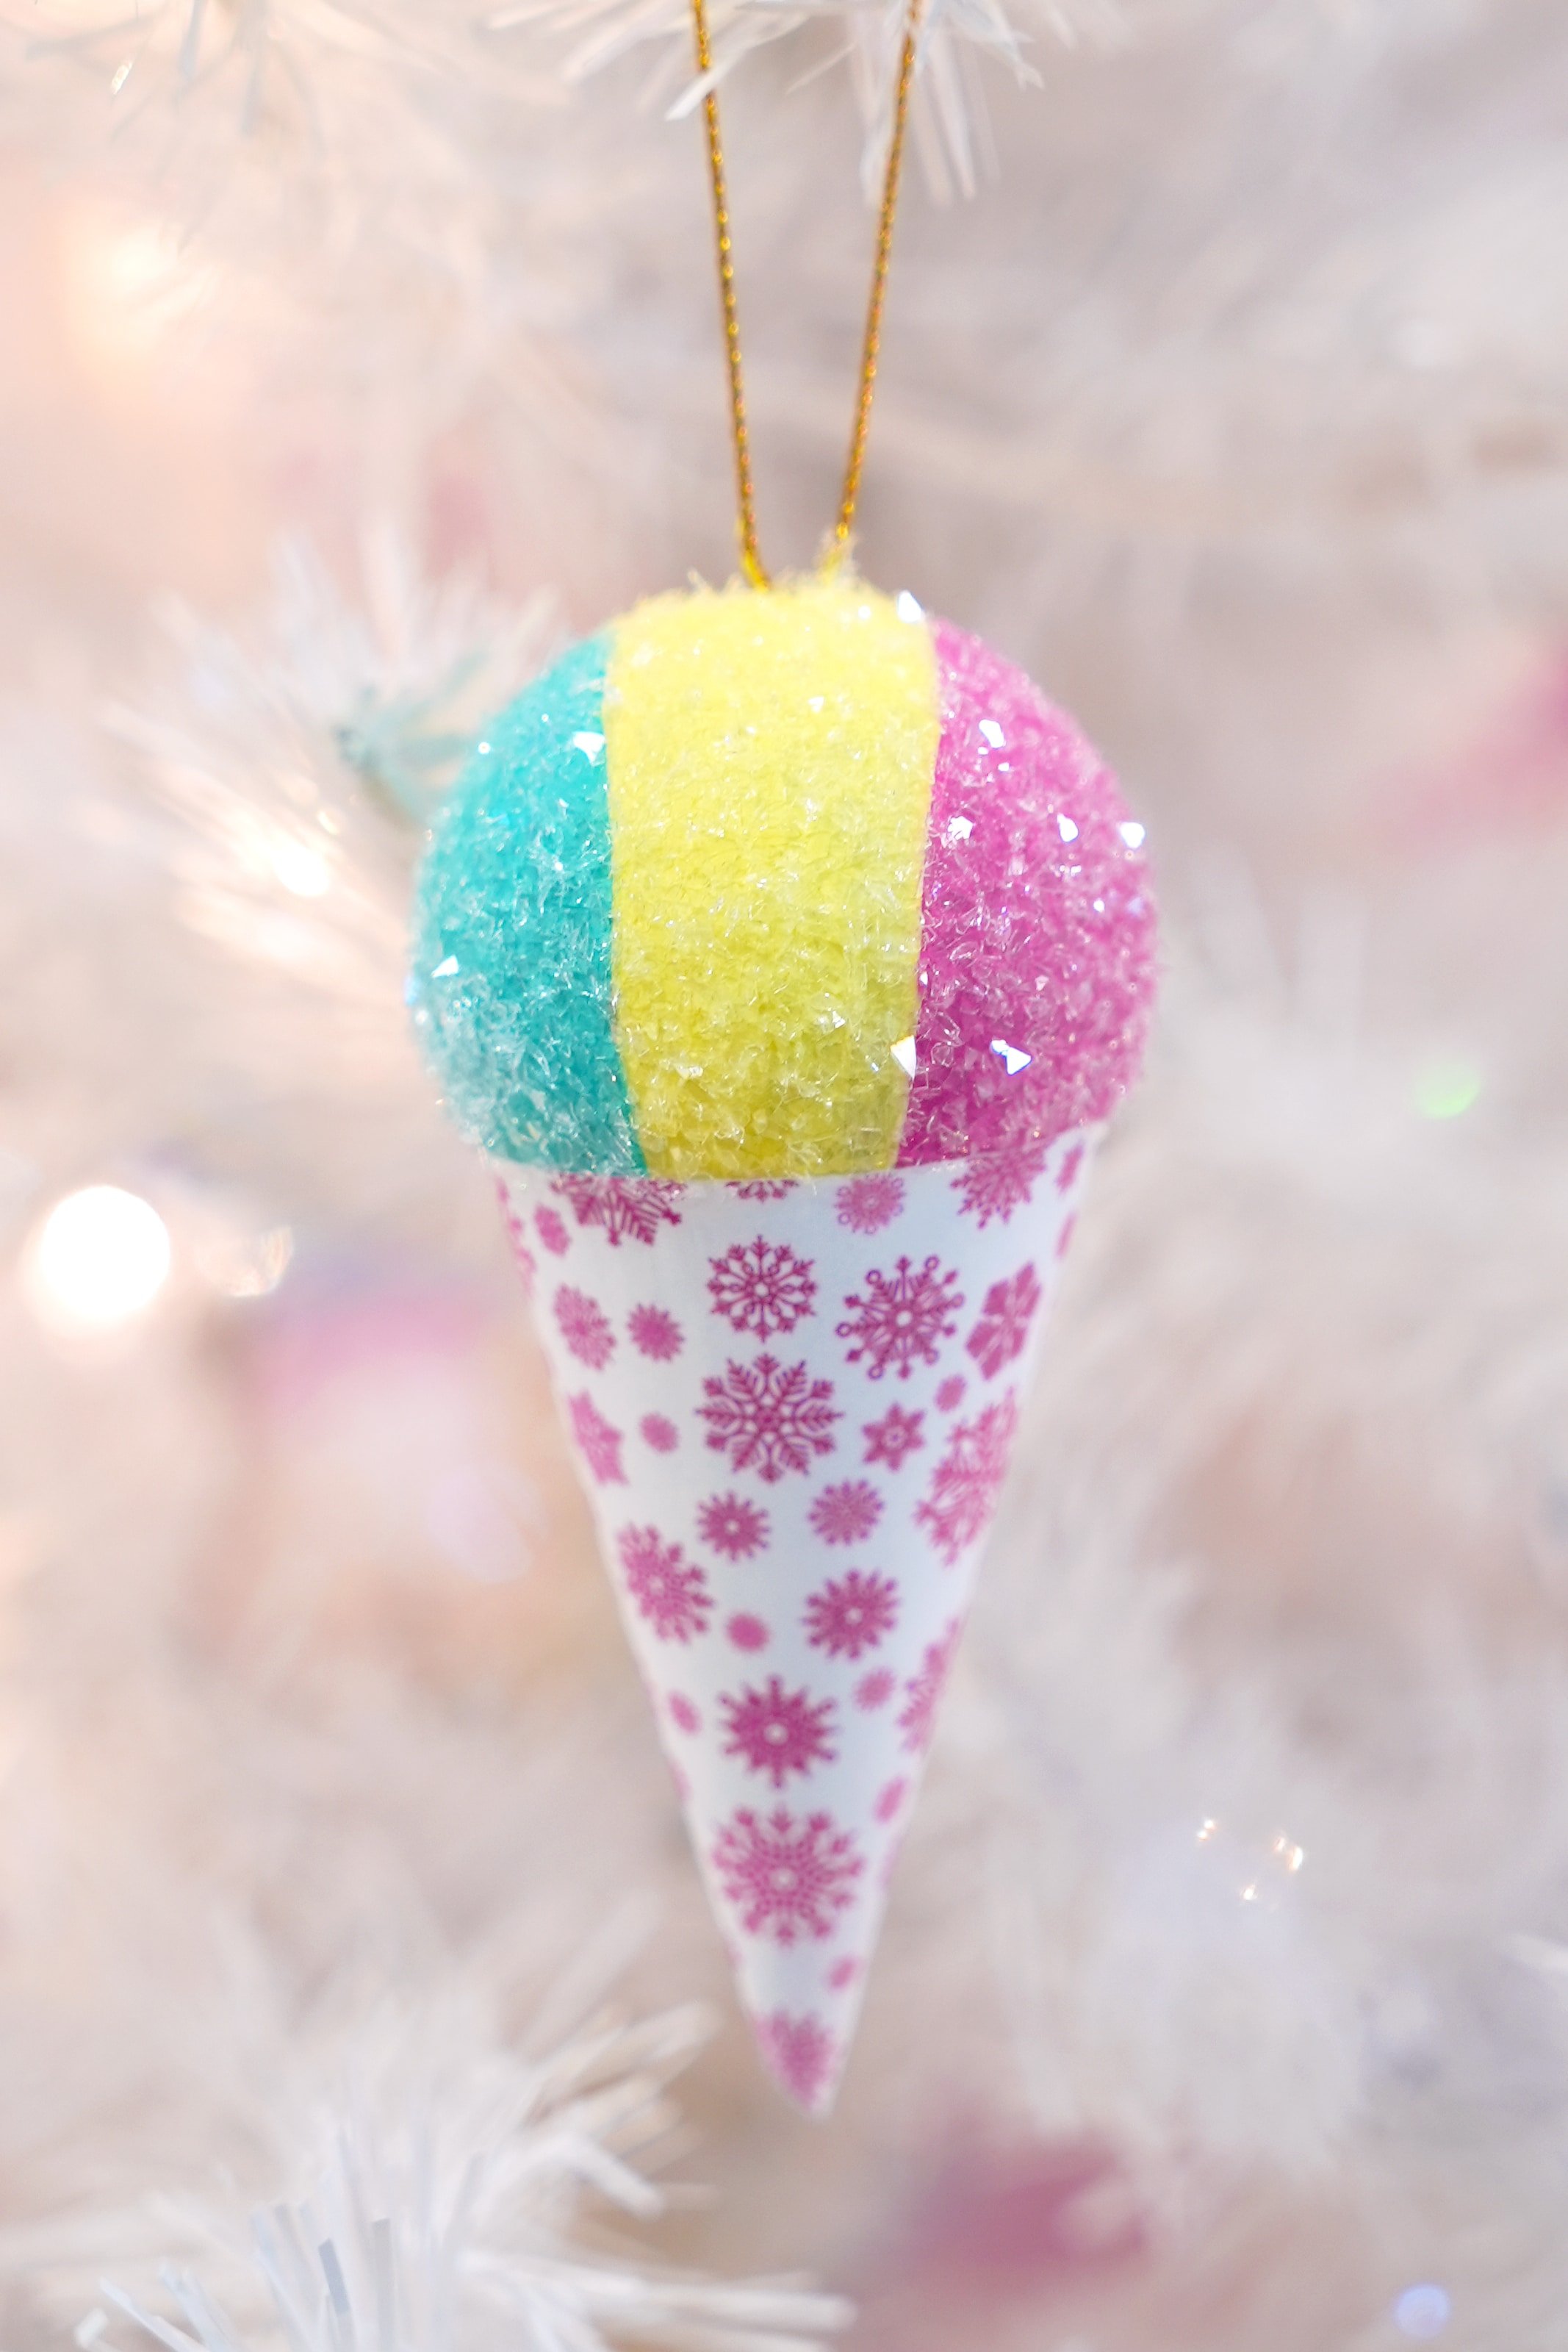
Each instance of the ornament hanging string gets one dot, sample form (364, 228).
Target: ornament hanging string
(871, 343)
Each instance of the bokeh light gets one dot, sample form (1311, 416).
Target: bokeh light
(100, 1258)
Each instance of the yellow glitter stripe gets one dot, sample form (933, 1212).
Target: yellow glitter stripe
(769, 760)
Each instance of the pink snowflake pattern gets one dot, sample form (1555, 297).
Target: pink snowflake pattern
(923, 1693)
(950, 1395)
(995, 1183)
(1064, 1237)
(521, 1252)
(628, 1208)
(851, 1614)
(867, 1204)
(895, 1436)
(891, 1799)
(1066, 1175)
(769, 1418)
(659, 1433)
(683, 1715)
(598, 1441)
(733, 1527)
(779, 1731)
(763, 1188)
(747, 1632)
(761, 1286)
(1009, 1308)
(666, 1589)
(800, 2054)
(843, 1973)
(584, 1327)
(787, 1875)
(552, 1231)
(874, 1690)
(958, 1504)
(654, 1332)
(846, 1514)
(903, 1316)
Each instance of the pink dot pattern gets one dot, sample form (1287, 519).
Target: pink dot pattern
(794, 1408)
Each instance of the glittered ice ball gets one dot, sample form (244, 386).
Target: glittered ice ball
(781, 882)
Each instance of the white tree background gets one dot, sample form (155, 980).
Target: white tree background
(352, 356)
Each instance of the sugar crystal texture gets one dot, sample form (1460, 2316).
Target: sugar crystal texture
(1036, 963)
(770, 760)
(510, 983)
(788, 884)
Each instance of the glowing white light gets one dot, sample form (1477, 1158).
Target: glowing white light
(908, 607)
(590, 744)
(1066, 829)
(1422, 2311)
(304, 871)
(1132, 835)
(902, 1051)
(992, 733)
(447, 969)
(101, 1255)
(1012, 1058)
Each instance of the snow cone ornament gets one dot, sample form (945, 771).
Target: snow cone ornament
(786, 951)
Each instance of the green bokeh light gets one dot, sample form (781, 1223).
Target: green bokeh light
(1447, 1089)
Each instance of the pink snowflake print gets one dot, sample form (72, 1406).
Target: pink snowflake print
(923, 1695)
(661, 1434)
(654, 1332)
(890, 1800)
(904, 1316)
(1005, 1319)
(843, 1973)
(731, 1526)
(747, 1632)
(779, 1731)
(874, 1690)
(950, 1395)
(787, 1875)
(552, 1233)
(599, 1442)
(800, 2054)
(895, 1436)
(761, 1288)
(521, 1252)
(763, 1188)
(962, 1495)
(683, 1714)
(1066, 1175)
(995, 1183)
(867, 1204)
(845, 1515)
(851, 1614)
(1064, 1237)
(628, 1208)
(768, 1418)
(584, 1327)
(666, 1589)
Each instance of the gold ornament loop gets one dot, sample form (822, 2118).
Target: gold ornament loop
(871, 345)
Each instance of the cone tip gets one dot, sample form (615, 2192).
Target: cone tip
(804, 2059)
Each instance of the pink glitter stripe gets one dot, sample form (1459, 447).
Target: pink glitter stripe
(1037, 924)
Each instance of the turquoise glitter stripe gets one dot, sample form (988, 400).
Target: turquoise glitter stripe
(509, 982)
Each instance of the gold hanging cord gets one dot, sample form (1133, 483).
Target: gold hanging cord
(751, 560)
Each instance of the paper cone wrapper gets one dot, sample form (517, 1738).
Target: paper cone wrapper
(794, 1405)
